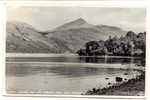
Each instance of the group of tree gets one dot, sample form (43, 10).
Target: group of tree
(131, 44)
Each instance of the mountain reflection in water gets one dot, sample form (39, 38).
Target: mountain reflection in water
(60, 74)
(76, 59)
(21, 70)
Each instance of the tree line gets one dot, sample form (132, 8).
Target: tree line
(131, 44)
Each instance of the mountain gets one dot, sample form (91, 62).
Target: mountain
(74, 25)
(69, 37)
(78, 32)
(22, 37)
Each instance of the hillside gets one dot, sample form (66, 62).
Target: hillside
(69, 37)
(22, 37)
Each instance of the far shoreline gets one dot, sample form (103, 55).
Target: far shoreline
(61, 54)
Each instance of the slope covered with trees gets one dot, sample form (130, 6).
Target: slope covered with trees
(131, 44)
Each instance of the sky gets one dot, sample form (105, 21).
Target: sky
(47, 18)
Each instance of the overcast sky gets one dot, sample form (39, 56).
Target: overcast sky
(46, 18)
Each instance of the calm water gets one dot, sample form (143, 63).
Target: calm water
(66, 75)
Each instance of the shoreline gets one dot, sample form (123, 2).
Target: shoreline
(62, 55)
(133, 87)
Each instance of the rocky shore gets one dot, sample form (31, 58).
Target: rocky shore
(132, 87)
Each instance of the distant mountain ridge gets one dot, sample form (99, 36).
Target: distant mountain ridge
(69, 37)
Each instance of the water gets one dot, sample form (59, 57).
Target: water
(66, 75)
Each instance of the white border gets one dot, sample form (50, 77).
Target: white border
(131, 4)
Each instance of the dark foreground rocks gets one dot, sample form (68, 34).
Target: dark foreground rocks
(133, 87)
(118, 79)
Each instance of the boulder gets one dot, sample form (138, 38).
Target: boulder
(118, 79)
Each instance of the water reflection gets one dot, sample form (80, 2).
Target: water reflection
(76, 59)
(113, 60)
(65, 77)
(21, 70)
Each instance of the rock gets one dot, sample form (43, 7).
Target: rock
(106, 78)
(118, 79)
(109, 83)
(125, 73)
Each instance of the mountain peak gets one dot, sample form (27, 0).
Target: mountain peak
(79, 21)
